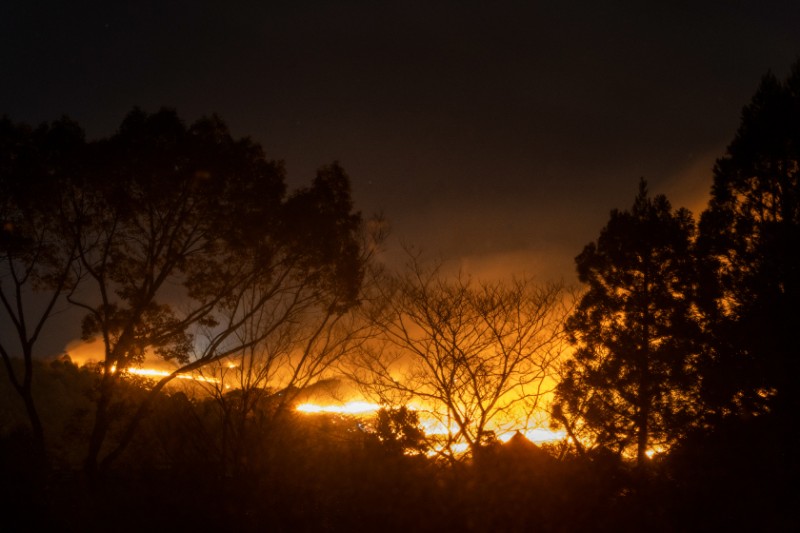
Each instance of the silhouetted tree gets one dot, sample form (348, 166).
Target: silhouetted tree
(193, 215)
(631, 381)
(35, 260)
(180, 237)
(750, 235)
(398, 430)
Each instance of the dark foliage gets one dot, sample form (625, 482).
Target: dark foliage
(631, 381)
(750, 235)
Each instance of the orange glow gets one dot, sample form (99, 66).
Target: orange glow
(457, 448)
(652, 452)
(82, 353)
(432, 426)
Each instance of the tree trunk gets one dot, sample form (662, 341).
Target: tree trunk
(36, 422)
(99, 430)
(642, 436)
(643, 409)
(25, 392)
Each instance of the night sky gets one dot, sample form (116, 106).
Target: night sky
(498, 134)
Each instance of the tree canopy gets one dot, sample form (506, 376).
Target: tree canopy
(631, 379)
(173, 238)
(750, 235)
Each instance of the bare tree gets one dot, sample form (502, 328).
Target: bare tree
(474, 355)
(275, 353)
(258, 384)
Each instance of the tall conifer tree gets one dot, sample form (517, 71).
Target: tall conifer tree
(631, 380)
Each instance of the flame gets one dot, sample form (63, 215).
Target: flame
(84, 353)
(433, 427)
(350, 408)
(535, 435)
(456, 448)
(155, 373)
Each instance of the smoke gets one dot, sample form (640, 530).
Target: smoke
(552, 263)
(82, 352)
(690, 187)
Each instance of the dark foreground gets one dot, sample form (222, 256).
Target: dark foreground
(330, 475)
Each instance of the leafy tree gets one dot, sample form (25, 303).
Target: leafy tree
(631, 380)
(35, 262)
(749, 236)
(398, 431)
(180, 236)
(473, 355)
